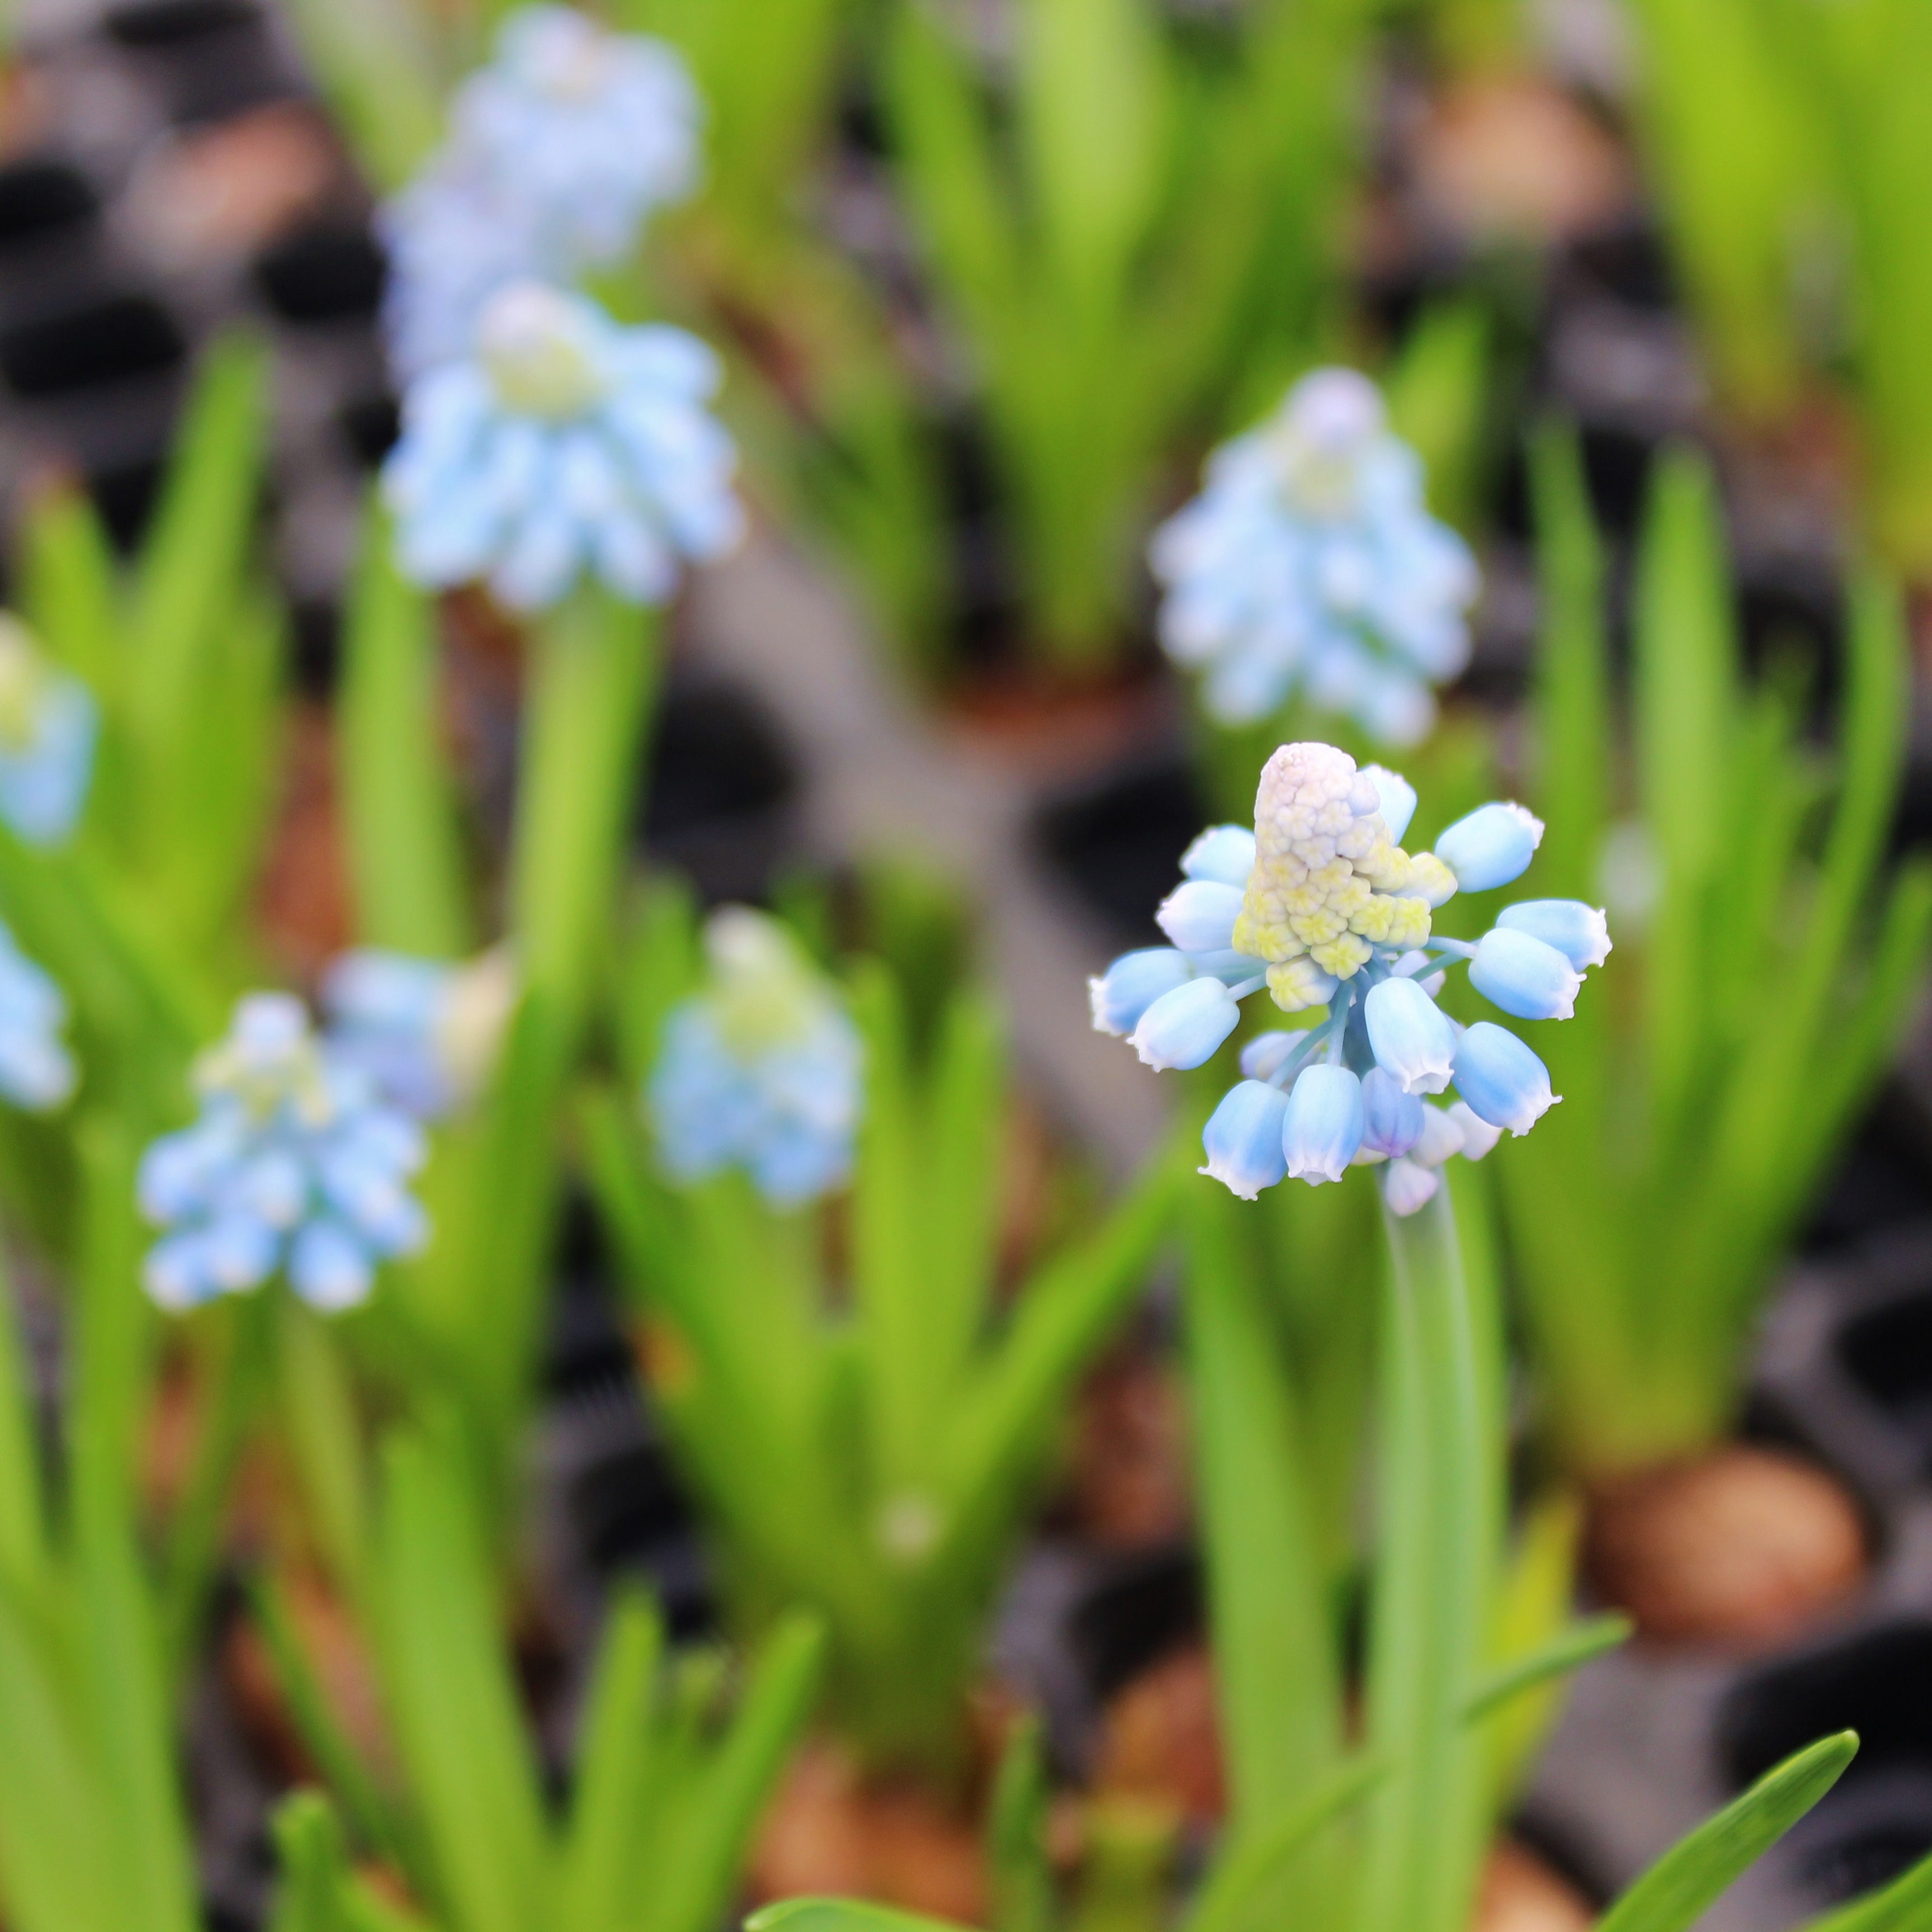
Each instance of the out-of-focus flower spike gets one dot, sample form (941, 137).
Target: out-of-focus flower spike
(1243, 1139)
(1581, 933)
(294, 1164)
(1308, 565)
(1492, 846)
(760, 1069)
(49, 721)
(562, 444)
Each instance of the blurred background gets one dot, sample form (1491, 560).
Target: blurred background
(990, 280)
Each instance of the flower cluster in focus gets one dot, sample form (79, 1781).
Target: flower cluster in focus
(541, 440)
(1309, 567)
(294, 1163)
(761, 1070)
(1320, 905)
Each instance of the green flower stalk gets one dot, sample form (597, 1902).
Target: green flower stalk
(1768, 976)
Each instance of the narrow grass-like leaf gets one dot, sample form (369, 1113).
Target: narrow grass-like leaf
(352, 1781)
(1691, 1877)
(1570, 1651)
(1245, 1877)
(840, 1915)
(1019, 1871)
(457, 1723)
(703, 1860)
(1905, 1905)
(598, 1863)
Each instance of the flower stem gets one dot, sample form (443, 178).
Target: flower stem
(1440, 1509)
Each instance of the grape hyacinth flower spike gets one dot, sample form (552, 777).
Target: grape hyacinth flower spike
(425, 1032)
(294, 1164)
(760, 1069)
(591, 130)
(563, 443)
(37, 1072)
(49, 721)
(1321, 906)
(1309, 566)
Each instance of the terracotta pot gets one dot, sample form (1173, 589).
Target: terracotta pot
(1160, 1739)
(1741, 1547)
(1520, 1893)
(833, 1830)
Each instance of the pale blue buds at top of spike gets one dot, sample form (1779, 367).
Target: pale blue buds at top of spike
(295, 1164)
(563, 446)
(560, 151)
(425, 1032)
(454, 237)
(760, 1069)
(593, 129)
(1333, 914)
(1309, 566)
(48, 722)
(37, 1071)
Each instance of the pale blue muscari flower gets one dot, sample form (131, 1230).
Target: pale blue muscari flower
(589, 130)
(564, 443)
(1332, 913)
(1493, 845)
(48, 722)
(425, 1032)
(1309, 566)
(1243, 1138)
(294, 1164)
(37, 1072)
(1581, 933)
(454, 237)
(761, 1070)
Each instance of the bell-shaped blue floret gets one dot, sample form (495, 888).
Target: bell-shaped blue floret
(1199, 915)
(1579, 932)
(1504, 1082)
(1524, 977)
(1224, 853)
(1492, 846)
(1398, 799)
(1408, 1187)
(1392, 1119)
(1243, 1139)
(1186, 1027)
(1321, 1131)
(1119, 996)
(1409, 1036)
